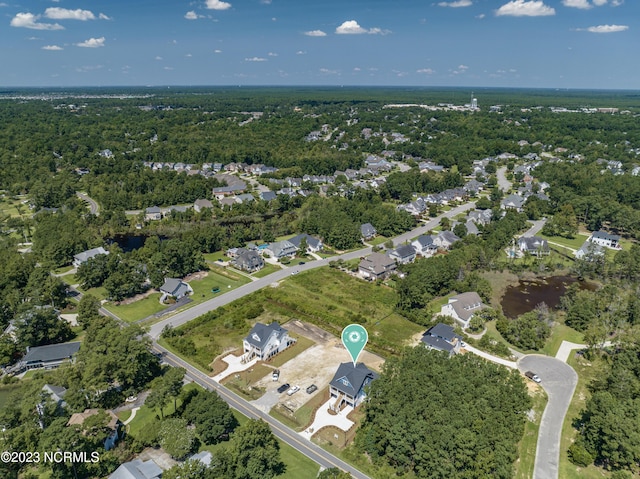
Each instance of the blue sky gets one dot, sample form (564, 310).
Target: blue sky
(502, 43)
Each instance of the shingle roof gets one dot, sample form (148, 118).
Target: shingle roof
(437, 343)
(311, 241)
(51, 352)
(350, 380)
(443, 331)
(137, 469)
(405, 250)
(260, 333)
(90, 253)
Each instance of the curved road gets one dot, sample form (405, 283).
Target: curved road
(93, 205)
(559, 380)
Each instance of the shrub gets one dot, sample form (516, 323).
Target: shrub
(579, 456)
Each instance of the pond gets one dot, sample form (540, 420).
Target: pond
(130, 242)
(527, 294)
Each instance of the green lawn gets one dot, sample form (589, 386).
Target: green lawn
(213, 257)
(573, 243)
(223, 278)
(529, 442)
(378, 240)
(587, 371)
(266, 271)
(6, 391)
(560, 333)
(138, 310)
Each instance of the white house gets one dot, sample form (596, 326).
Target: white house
(445, 239)
(605, 239)
(176, 288)
(462, 307)
(424, 245)
(534, 245)
(314, 245)
(265, 341)
(85, 256)
(403, 254)
(280, 249)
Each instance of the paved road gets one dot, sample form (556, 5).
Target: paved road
(192, 313)
(559, 380)
(94, 207)
(537, 225)
(292, 438)
(503, 183)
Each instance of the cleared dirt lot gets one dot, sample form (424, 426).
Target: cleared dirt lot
(315, 365)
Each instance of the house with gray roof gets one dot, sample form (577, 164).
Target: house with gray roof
(442, 337)
(85, 256)
(462, 307)
(176, 288)
(424, 245)
(605, 239)
(313, 244)
(534, 245)
(367, 231)
(264, 341)
(377, 266)
(589, 251)
(481, 217)
(153, 213)
(347, 388)
(49, 357)
(403, 254)
(472, 228)
(267, 195)
(281, 249)
(201, 204)
(137, 469)
(445, 239)
(56, 393)
(247, 260)
(512, 202)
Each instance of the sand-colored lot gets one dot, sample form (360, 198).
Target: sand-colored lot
(315, 365)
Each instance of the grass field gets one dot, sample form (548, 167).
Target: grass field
(528, 444)
(138, 310)
(573, 243)
(267, 270)
(6, 392)
(587, 371)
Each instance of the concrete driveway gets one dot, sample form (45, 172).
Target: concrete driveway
(559, 380)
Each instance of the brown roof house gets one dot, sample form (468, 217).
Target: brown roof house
(462, 307)
(113, 426)
(377, 266)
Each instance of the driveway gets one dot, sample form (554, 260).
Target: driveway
(559, 380)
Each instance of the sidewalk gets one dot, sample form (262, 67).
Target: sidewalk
(235, 366)
(489, 357)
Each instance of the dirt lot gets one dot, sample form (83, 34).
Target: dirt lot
(316, 365)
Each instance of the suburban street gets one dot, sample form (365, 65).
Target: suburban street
(285, 434)
(192, 313)
(94, 208)
(503, 183)
(559, 380)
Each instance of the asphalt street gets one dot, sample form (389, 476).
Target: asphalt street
(559, 380)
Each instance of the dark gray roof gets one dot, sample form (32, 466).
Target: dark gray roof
(437, 343)
(153, 210)
(404, 251)
(311, 241)
(424, 240)
(367, 229)
(534, 243)
(350, 380)
(51, 352)
(443, 331)
(268, 195)
(260, 333)
(605, 236)
(249, 259)
(174, 286)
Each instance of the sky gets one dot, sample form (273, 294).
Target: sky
(591, 44)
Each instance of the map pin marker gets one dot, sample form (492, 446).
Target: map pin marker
(354, 338)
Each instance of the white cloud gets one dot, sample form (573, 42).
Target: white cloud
(427, 71)
(191, 15)
(57, 13)
(582, 4)
(326, 71)
(481, 16)
(52, 48)
(159, 58)
(89, 68)
(315, 33)
(217, 5)
(92, 43)
(607, 28)
(102, 16)
(272, 54)
(217, 51)
(456, 4)
(301, 52)
(351, 27)
(522, 8)
(168, 68)
(255, 59)
(265, 2)
(29, 20)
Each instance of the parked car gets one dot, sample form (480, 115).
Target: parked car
(300, 263)
(293, 390)
(311, 389)
(275, 375)
(533, 376)
(283, 388)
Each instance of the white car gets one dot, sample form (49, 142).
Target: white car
(293, 390)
